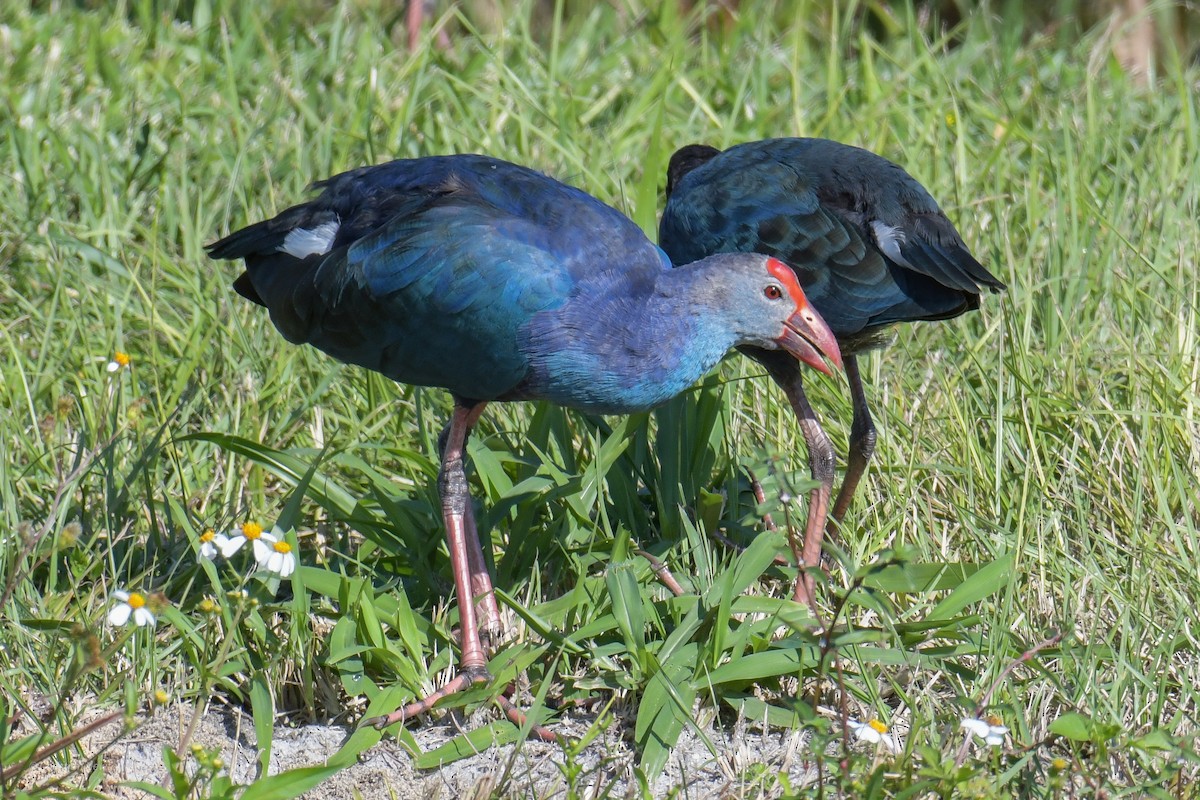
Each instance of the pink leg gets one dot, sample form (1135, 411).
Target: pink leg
(416, 12)
(461, 536)
(760, 497)
(470, 577)
(486, 608)
(787, 374)
(663, 572)
(820, 452)
(862, 443)
(413, 20)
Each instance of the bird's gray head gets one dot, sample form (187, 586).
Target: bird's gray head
(759, 299)
(685, 160)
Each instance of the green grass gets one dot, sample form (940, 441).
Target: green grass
(1054, 435)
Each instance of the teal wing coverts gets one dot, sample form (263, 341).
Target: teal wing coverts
(868, 243)
(431, 270)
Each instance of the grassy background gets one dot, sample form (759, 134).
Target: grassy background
(1055, 434)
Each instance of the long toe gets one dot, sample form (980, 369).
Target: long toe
(461, 682)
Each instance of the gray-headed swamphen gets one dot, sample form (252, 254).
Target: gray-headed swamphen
(870, 246)
(499, 283)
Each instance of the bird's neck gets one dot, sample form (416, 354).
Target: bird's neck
(617, 350)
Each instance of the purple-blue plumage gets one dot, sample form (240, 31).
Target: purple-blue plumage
(868, 243)
(497, 283)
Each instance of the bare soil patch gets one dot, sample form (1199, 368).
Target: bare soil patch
(745, 756)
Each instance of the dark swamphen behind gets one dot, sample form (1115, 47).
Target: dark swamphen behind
(870, 246)
(498, 283)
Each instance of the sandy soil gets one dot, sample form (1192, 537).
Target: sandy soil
(531, 769)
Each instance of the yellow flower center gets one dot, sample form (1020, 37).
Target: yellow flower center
(161, 697)
(1059, 764)
(993, 720)
(283, 547)
(252, 530)
(207, 606)
(136, 600)
(878, 726)
(121, 358)
(208, 535)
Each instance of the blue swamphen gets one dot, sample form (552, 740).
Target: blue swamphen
(870, 246)
(499, 283)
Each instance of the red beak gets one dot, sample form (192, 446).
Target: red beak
(808, 338)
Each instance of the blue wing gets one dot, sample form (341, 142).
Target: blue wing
(433, 267)
(869, 244)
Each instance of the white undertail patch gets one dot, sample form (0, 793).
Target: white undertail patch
(302, 242)
(889, 239)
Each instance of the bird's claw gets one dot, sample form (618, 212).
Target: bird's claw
(469, 676)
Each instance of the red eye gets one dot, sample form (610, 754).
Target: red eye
(773, 292)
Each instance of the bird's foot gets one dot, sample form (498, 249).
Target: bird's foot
(468, 677)
(662, 572)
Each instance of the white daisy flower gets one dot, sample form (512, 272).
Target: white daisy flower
(212, 544)
(277, 556)
(990, 729)
(119, 361)
(251, 532)
(130, 604)
(271, 551)
(874, 732)
(264, 545)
